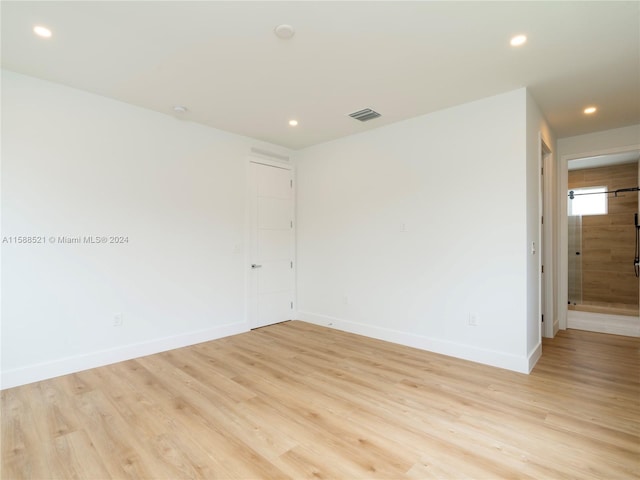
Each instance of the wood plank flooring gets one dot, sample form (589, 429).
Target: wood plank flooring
(296, 401)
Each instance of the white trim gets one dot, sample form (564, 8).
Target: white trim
(444, 347)
(78, 363)
(563, 258)
(273, 156)
(545, 156)
(546, 244)
(294, 253)
(247, 237)
(604, 323)
(269, 162)
(541, 247)
(534, 356)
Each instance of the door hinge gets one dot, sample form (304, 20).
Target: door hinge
(542, 318)
(542, 220)
(291, 223)
(291, 264)
(291, 305)
(291, 183)
(542, 269)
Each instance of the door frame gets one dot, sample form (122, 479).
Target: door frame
(547, 299)
(279, 161)
(563, 235)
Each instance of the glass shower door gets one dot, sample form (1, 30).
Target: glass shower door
(575, 259)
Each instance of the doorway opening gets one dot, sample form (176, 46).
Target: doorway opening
(603, 291)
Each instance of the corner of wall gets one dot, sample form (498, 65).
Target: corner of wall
(538, 131)
(534, 356)
(443, 347)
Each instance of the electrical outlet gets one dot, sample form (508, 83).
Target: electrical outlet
(117, 320)
(473, 319)
(345, 300)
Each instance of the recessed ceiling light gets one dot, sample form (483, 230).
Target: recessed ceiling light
(518, 40)
(590, 110)
(180, 109)
(41, 31)
(293, 123)
(284, 31)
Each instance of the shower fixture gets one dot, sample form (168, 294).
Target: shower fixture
(636, 259)
(573, 195)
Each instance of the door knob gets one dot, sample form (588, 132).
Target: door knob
(253, 265)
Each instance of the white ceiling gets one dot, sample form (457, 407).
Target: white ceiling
(403, 59)
(605, 160)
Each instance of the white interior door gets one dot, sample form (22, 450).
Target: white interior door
(272, 245)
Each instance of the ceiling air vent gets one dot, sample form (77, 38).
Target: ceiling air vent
(364, 115)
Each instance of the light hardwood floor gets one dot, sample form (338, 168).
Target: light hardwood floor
(295, 400)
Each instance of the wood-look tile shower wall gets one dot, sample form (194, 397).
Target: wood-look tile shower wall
(608, 241)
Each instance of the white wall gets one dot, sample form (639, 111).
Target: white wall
(402, 231)
(537, 131)
(457, 180)
(74, 163)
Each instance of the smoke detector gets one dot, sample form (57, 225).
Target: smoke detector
(284, 31)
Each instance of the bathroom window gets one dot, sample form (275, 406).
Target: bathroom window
(588, 201)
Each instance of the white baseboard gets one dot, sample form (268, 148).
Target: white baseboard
(444, 347)
(65, 366)
(534, 356)
(603, 323)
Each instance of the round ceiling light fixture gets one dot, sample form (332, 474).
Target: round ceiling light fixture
(41, 31)
(284, 31)
(293, 123)
(590, 110)
(518, 40)
(180, 109)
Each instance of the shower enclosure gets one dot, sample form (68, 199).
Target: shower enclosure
(602, 240)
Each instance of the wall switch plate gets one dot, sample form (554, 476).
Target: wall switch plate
(117, 320)
(473, 319)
